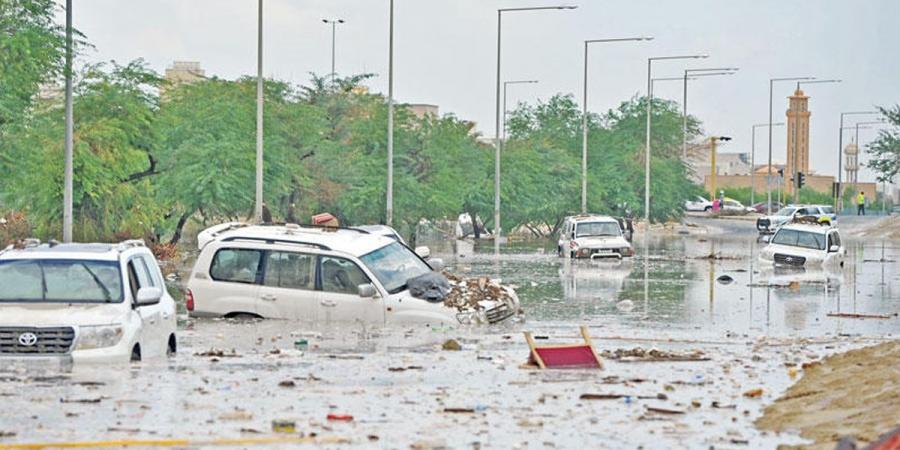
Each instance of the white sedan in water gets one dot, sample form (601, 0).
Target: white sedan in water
(698, 204)
(804, 245)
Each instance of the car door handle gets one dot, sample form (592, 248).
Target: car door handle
(328, 303)
(269, 297)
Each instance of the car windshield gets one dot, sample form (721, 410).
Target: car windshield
(597, 229)
(393, 265)
(55, 280)
(785, 211)
(797, 238)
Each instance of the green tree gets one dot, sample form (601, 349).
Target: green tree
(885, 150)
(114, 142)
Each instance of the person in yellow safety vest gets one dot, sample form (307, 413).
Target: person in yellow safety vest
(860, 204)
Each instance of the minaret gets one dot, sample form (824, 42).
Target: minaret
(797, 137)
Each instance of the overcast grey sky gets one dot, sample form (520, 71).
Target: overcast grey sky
(445, 52)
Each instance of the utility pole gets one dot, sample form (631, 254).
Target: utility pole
(69, 145)
(258, 214)
(389, 212)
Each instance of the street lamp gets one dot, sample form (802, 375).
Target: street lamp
(753, 159)
(389, 201)
(258, 213)
(769, 172)
(499, 144)
(712, 176)
(505, 86)
(691, 74)
(839, 195)
(584, 113)
(333, 23)
(796, 160)
(649, 103)
(68, 175)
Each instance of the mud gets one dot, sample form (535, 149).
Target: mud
(855, 394)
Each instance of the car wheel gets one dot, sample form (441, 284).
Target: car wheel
(172, 346)
(136, 353)
(243, 316)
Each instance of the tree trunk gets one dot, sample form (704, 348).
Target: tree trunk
(179, 228)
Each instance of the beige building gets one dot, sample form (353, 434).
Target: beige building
(181, 72)
(421, 110)
(730, 163)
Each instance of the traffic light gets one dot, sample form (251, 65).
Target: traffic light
(801, 179)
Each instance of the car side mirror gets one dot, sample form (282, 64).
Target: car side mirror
(148, 296)
(834, 249)
(423, 252)
(366, 290)
(436, 264)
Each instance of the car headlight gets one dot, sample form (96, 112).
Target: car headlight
(99, 336)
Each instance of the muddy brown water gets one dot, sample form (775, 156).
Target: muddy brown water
(401, 388)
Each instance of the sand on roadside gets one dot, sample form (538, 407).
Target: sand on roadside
(856, 394)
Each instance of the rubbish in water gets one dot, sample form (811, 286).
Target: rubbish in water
(339, 418)
(754, 393)
(301, 344)
(477, 294)
(287, 384)
(564, 356)
(284, 426)
(460, 410)
(860, 316)
(452, 344)
(719, 405)
(639, 354)
(403, 369)
(620, 396)
(725, 279)
(81, 400)
(236, 416)
(657, 410)
(7, 434)
(218, 353)
(792, 372)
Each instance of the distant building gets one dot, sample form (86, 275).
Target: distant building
(700, 164)
(422, 110)
(181, 72)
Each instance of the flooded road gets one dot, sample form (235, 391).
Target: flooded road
(231, 380)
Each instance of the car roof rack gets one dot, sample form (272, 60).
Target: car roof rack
(276, 241)
(130, 243)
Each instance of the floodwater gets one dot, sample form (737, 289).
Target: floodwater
(402, 389)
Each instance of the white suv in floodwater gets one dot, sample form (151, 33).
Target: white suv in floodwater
(83, 303)
(590, 236)
(804, 245)
(314, 274)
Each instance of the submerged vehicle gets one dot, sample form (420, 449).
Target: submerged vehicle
(804, 245)
(593, 236)
(316, 274)
(73, 303)
(812, 213)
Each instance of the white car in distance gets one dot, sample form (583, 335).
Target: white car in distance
(77, 303)
(316, 274)
(698, 204)
(804, 245)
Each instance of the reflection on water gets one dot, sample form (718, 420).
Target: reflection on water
(672, 284)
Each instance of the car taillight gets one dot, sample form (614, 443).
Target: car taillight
(189, 300)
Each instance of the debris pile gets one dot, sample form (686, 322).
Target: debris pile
(640, 354)
(476, 294)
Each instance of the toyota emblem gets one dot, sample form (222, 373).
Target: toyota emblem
(28, 339)
(788, 259)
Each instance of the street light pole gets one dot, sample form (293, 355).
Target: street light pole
(839, 195)
(333, 23)
(258, 214)
(584, 113)
(505, 86)
(68, 176)
(647, 145)
(691, 74)
(712, 166)
(769, 172)
(498, 143)
(753, 159)
(389, 202)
